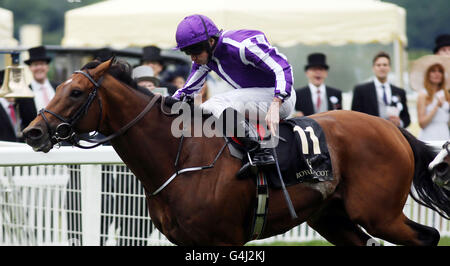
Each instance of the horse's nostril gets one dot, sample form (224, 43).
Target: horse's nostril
(34, 133)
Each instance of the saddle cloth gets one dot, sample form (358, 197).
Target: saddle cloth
(303, 156)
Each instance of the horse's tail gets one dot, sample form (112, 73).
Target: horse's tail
(429, 194)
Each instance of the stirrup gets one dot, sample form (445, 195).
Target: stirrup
(263, 157)
(246, 169)
(253, 165)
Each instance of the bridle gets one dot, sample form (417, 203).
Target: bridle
(65, 130)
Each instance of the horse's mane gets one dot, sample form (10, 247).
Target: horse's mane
(121, 70)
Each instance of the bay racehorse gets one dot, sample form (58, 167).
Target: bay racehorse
(374, 165)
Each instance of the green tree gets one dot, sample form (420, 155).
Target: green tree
(424, 21)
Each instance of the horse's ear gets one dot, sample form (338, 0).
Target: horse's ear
(103, 67)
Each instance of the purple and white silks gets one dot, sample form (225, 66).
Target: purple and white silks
(244, 59)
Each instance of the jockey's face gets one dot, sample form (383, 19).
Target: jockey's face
(200, 59)
(198, 52)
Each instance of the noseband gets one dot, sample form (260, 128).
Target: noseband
(65, 130)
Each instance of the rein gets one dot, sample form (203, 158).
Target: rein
(189, 169)
(64, 131)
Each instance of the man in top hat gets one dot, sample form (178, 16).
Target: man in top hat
(379, 97)
(316, 97)
(43, 89)
(442, 45)
(152, 57)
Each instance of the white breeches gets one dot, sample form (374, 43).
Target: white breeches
(249, 101)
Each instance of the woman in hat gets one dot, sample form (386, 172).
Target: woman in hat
(261, 76)
(433, 104)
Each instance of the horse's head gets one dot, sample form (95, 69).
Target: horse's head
(440, 167)
(66, 114)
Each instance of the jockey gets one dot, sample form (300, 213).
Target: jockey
(261, 76)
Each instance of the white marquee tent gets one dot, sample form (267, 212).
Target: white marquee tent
(6, 29)
(123, 23)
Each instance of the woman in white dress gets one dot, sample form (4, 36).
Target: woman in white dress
(433, 105)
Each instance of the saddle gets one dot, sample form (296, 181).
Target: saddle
(302, 153)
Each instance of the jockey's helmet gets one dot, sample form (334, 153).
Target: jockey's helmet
(193, 31)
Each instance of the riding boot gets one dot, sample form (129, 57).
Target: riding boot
(257, 156)
(247, 135)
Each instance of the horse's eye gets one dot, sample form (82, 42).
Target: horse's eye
(76, 93)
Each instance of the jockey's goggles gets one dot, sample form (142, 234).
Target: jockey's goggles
(195, 49)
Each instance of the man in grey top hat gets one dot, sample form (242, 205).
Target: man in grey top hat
(144, 77)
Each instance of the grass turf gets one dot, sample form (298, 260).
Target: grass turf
(445, 241)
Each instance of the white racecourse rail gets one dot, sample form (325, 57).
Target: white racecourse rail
(71, 196)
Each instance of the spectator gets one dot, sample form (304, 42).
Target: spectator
(43, 89)
(316, 97)
(433, 98)
(8, 118)
(144, 77)
(379, 97)
(178, 81)
(442, 45)
(152, 57)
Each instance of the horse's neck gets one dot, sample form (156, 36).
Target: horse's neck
(148, 148)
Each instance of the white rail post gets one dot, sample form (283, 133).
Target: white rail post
(91, 182)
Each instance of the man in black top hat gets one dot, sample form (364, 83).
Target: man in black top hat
(43, 89)
(152, 57)
(316, 97)
(442, 45)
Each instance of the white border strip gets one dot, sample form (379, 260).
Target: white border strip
(14, 156)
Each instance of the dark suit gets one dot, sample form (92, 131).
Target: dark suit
(7, 132)
(304, 100)
(27, 108)
(365, 101)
